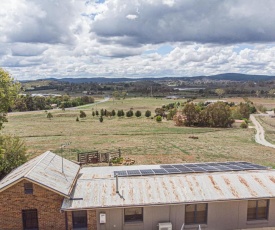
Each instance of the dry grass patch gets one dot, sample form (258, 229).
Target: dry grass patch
(143, 139)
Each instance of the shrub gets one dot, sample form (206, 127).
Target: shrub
(101, 119)
(147, 113)
(113, 112)
(137, 113)
(49, 115)
(93, 113)
(96, 113)
(129, 113)
(82, 114)
(243, 125)
(158, 118)
(77, 119)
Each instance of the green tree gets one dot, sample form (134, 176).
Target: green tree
(12, 154)
(101, 119)
(8, 93)
(82, 114)
(93, 113)
(220, 92)
(96, 113)
(148, 113)
(219, 115)
(137, 113)
(113, 112)
(49, 115)
(129, 113)
(191, 114)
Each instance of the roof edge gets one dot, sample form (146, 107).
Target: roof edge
(162, 204)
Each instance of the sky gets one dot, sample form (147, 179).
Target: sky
(136, 38)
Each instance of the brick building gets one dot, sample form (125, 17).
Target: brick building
(49, 192)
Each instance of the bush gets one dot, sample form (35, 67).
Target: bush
(82, 114)
(49, 115)
(158, 118)
(77, 119)
(244, 125)
(137, 113)
(113, 112)
(147, 113)
(96, 113)
(129, 113)
(93, 113)
(101, 119)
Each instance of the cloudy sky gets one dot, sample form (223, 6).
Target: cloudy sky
(136, 38)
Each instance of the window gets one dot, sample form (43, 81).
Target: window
(79, 219)
(30, 219)
(257, 209)
(28, 188)
(196, 214)
(133, 214)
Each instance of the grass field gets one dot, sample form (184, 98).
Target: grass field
(142, 139)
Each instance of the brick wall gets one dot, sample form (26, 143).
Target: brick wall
(14, 200)
(91, 218)
(92, 223)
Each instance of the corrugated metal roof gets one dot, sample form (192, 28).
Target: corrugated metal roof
(97, 188)
(45, 170)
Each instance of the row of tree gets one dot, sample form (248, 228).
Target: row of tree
(120, 113)
(32, 103)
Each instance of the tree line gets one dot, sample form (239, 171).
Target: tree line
(32, 103)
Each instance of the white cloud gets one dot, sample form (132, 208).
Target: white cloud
(79, 38)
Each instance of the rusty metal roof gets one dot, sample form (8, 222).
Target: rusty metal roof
(96, 187)
(45, 170)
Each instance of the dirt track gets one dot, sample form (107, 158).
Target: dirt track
(259, 136)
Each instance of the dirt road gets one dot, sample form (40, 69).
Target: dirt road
(260, 137)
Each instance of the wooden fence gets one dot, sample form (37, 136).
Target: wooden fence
(94, 157)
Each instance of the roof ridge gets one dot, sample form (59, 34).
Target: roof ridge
(46, 153)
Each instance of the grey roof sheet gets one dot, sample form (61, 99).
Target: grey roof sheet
(97, 187)
(45, 170)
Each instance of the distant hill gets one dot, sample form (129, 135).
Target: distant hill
(226, 76)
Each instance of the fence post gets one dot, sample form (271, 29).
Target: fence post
(99, 156)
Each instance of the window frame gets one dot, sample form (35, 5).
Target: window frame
(195, 214)
(80, 225)
(25, 213)
(257, 210)
(138, 220)
(28, 188)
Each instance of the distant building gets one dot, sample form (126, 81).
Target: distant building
(49, 192)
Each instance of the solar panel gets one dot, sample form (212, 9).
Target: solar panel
(185, 170)
(145, 172)
(191, 165)
(192, 168)
(120, 173)
(210, 169)
(198, 169)
(172, 170)
(178, 166)
(133, 172)
(159, 171)
(167, 166)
